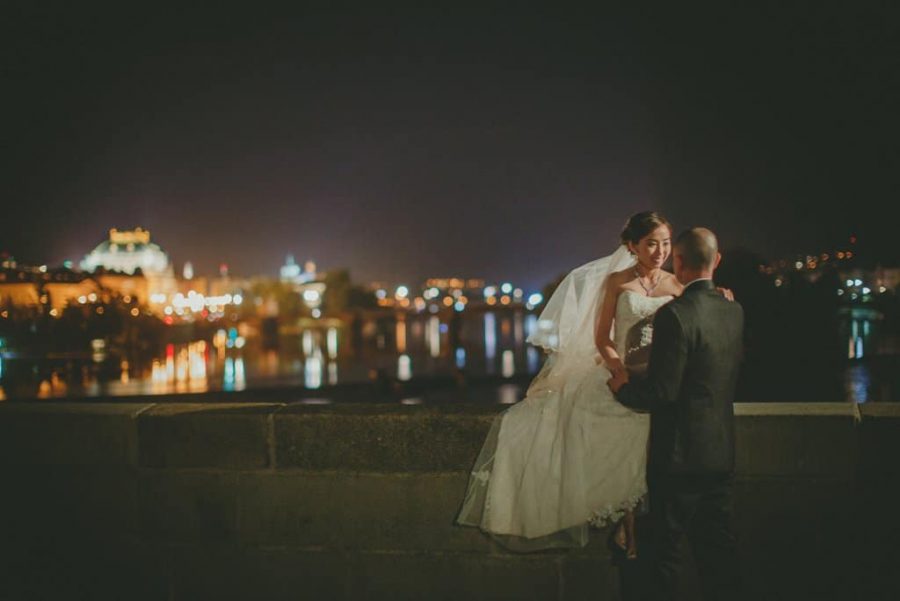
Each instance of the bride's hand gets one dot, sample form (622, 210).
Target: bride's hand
(616, 367)
(726, 292)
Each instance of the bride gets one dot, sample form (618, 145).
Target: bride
(569, 456)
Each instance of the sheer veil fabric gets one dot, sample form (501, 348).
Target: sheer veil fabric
(568, 455)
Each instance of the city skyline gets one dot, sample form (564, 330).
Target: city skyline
(405, 144)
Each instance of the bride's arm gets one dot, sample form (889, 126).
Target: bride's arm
(604, 343)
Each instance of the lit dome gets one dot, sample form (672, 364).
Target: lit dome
(125, 252)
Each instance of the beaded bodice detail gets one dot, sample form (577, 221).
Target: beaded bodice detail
(633, 327)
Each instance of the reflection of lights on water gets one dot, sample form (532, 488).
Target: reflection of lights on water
(530, 323)
(228, 376)
(234, 377)
(490, 335)
(857, 381)
(434, 336)
(533, 358)
(404, 368)
(197, 360)
(331, 339)
(123, 367)
(401, 336)
(313, 371)
(856, 344)
(332, 374)
(307, 342)
(508, 394)
(460, 357)
(518, 328)
(508, 368)
(411, 401)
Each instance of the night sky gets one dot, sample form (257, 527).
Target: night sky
(403, 143)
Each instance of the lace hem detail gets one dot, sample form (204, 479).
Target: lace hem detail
(611, 514)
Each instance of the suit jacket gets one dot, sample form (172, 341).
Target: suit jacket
(690, 382)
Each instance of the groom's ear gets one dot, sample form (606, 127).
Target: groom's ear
(718, 259)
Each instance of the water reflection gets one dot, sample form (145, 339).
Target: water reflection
(332, 342)
(490, 341)
(509, 364)
(404, 368)
(460, 358)
(332, 374)
(857, 382)
(237, 358)
(313, 371)
(401, 336)
(533, 358)
(859, 334)
(433, 336)
(234, 377)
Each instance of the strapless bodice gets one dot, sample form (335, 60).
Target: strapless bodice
(633, 326)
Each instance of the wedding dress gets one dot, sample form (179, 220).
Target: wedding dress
(568, 455)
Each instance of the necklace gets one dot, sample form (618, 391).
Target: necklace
(648, 289)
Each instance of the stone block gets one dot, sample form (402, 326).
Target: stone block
(229, 572)
(59, 433)
(879, 448)
(221, 435)
(450, 576)
(59, 503)
(187, 506)
(796, 445)
(589, 578)
(79, 568)
(356, 511)
(379, 438)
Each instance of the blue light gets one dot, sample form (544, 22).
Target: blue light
(490, 335)
(460, 357)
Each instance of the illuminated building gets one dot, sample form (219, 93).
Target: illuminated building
(294, 274)
(132, 257)
(126, 252)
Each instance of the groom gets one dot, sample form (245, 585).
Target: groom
(689, 391)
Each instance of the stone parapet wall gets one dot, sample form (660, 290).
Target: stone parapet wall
(357, 501)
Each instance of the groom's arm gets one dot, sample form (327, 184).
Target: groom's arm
(668, 358)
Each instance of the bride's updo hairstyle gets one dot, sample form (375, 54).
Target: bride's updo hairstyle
(642, 224)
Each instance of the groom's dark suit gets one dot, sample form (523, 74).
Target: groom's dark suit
(689, 392)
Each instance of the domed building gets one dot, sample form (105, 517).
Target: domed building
(125, 252)
(122, 255)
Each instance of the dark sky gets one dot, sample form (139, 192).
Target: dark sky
(404, 143)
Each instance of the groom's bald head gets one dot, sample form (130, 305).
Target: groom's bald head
(696, 254)
(698, 248)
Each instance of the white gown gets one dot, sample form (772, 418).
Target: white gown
(568, 455)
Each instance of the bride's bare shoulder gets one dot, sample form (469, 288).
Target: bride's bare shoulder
(618, 279)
